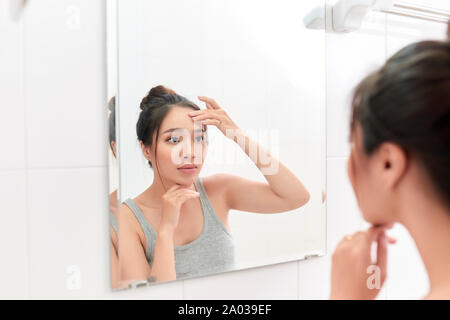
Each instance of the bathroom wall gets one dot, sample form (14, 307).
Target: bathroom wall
(54, 173)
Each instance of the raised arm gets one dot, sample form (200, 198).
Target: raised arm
(283, 190)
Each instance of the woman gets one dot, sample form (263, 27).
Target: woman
(399, 167)
(114, 236)
(178, 227)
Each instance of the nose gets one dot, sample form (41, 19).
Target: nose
(186, 152)
(190, 151)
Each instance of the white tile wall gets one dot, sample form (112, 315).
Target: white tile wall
(13, 236)
(53, 174)
(64, 60)
(68, 227)
(349, 57)
(12, 133)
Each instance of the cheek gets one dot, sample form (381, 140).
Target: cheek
(350, 171)
(360, 181)
(164, 156)
(370, 193)
(355, 175)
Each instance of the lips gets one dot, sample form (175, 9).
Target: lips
(188, 168)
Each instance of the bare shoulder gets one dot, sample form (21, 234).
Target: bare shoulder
(225, 181)
(217, 187)
(125, 212)
(219, 182)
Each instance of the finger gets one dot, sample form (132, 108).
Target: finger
(382, 252)
(206, 101)
(187, 196)
(208, 115)
(391, 240)
(213, 122)
(209, 106)
(182, 196)
(389, 225)
(345, 241)
(373, 233)
(174, 187)
(213, 104)
(358, 234)
(196, 112)
(347, 237)
(185, 190)
(179, 192)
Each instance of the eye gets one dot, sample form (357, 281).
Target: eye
(199, 138)
(173, 140)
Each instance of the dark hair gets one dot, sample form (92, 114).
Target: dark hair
(155, 107)
(407, 102)
(112, 122)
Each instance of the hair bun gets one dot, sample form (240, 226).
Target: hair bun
(155, 93)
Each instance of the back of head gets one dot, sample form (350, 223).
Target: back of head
(112, 122)
(407, 102)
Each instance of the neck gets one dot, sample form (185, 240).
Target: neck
(159, 188)
(428, 222)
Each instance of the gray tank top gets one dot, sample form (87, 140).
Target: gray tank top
(113, 222)
(212, 252)
(115, 226)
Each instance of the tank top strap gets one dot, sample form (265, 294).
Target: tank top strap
(203, 195)
(113, 222)
(149, 232)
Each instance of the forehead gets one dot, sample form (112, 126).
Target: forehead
(178, 117)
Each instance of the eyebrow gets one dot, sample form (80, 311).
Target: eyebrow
(173, 129)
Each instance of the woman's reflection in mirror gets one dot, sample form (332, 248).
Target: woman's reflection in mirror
(113, 206)
(178, 227)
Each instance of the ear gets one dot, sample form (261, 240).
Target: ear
(146, 151)
(394, 163)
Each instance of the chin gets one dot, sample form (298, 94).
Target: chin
(186, 180)
(375, 219)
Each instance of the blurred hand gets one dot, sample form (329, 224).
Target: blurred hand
(354, 275)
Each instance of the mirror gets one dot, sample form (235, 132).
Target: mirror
(252, 190)
(111, 45)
